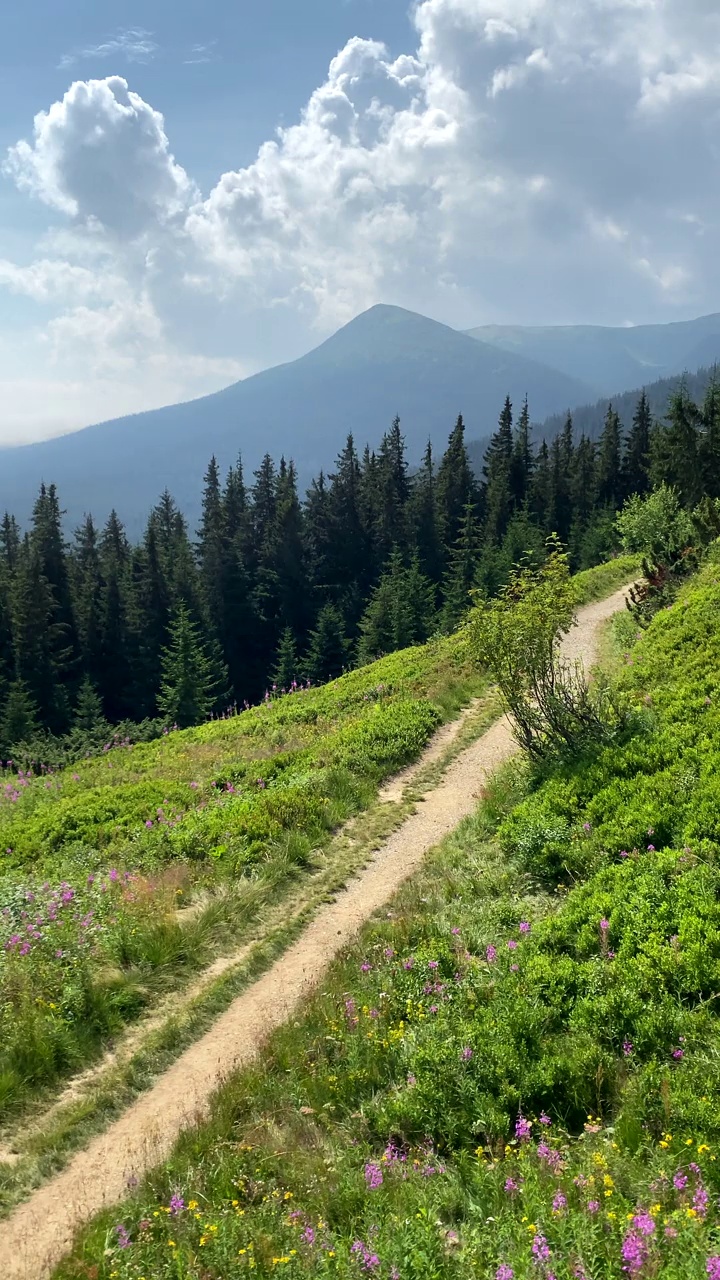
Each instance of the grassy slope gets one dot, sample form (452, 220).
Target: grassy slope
(380, 1134)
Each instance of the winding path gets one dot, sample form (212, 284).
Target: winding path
(39, 1232)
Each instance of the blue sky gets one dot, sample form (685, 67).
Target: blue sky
(529, 161)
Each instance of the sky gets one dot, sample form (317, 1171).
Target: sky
(190, 192)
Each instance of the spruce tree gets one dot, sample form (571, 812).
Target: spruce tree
(422, 518)
(454, 489)
(328, 653)
(287, 666)
(497, 473)
(522, 463)
(609, 462)
(709, 448)
(188, 682)
(89, 719)
(462, 571)
(636, 460)
(676, 448)
(19, 721)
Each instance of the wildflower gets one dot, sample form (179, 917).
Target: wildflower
(524, 926)
(678, 1054)
(593, 1206)
(467, 1053)
(523, 1129)
(365, 967)
(680, 1180)
(559, 1203)
(634, 1252)
(651, 848)
(455, 931)
(512, 944)
(491, 954)
(123, 1237)
(514, 968)
(433, 964)
(627, 1048)
(388, 953)
(373, 1176)
(504, 1272)
(408, 964)
(604, 925)
(540, 1249)
(700, 1201)
(671, 1233)
(511, 1186)
(308, 1235)
(544, 1119)
(177, 1204)
(712, 1266)
(643, 1223)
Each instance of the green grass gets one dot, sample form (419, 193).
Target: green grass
(600, 582)
(543, 967)
(100, 857)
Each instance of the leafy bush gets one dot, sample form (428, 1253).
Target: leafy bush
(516, 637)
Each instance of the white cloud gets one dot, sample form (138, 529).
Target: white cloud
(529, 160)
(134, 45)
(102, 156)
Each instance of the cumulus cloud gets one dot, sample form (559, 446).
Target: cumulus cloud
(527, 160)
(102, 155)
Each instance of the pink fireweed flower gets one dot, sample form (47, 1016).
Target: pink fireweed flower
(593, 1206)
(559, 1202)
(523, 1129)
(511, 944)
(504, 1272)
(712, 1266)
(544, 1119)
(524, 926)
(373, 1176)
(540, 1249)
(627, 1048)
(466, 1053)
(491, 954)
(604, 925)
(680, 1180)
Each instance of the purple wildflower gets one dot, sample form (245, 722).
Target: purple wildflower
(559, 1203)
(123, 1237)
(680, 1180)
(524, 926)
(678, 1054)
(593, 1206)
(511, 1186)
(504, 1272)
(177, 1204)
(467, 1053)
(540, 1249)
(712, 1266)
(701, 1200)
(523, 1129)
(373, 1176)
(544, 1118)
(491, 954)
(627, 1048)
(512, 944)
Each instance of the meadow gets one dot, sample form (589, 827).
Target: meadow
(515, 1072)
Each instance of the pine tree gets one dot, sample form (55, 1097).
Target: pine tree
(287, 666)
(88, 587)
(188, 682)
(522, 463)
(42, 658)
(422, 518)
(541, 496)
(211, 546)
(454, 489)
(709, 447)
(328, 653)
(393, 493)
(497, 471)
(19, 721)
(609, 462)
(676, 448)
(400, 612)
(462, 572)
(636, 460)
(89, 718)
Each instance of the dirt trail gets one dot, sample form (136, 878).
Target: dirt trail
(37, 1235)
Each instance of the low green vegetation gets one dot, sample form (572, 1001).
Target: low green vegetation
(99, 857)
(515, 1072)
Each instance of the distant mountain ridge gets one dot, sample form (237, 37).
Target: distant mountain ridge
(612, 360)
(386, 361)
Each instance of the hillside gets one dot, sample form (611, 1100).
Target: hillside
(385, 362)
(612, 360)
(589, 418)
(514, 1071)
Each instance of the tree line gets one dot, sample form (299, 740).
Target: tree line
(275, 588)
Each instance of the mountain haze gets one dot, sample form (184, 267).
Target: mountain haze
(612, 360)
(386, 361)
